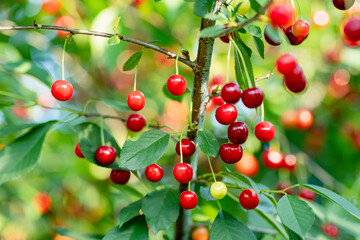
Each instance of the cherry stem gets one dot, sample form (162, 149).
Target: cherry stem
(242, 61)
(181, 153)
(176, 63)
(293, 5)
(63, 59)
(228, 64)
(212, 171)
(190, 116)
(135, 77)
(298, 3)
(189, 186)
(262, 112)
(102, 131)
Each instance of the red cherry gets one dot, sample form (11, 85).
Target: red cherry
(105, 155)
(136, 100)
(281, 14)
(343, 4)
(273, 159)
(249, 199)
(230, 153)
(304, 119)
(135, 122)
(78, 151)
(217, 101)
(183, 172)
(154, 173)
(188, 147)
(231, 93)
(64, 21)
(295, 81)
(119, 176)
(52, 7)
(307, 194)
(300, 28)
(42, 202)
(176, 85)
(238, 132)
(269, 38)
(291, 37)
(225, 38)
(331, 230)
(62, 90)
(286, 63)
(283, 185)
(226, 114)
(252, 97)
(352, 29)
(265, 131)
(188, 199)
(289, 162)
(218, 80)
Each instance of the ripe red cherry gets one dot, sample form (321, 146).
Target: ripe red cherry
(352, 29)
(231, 153)
(119, 176)
(331, 230)
(281, 14)
(135, 122)
(176, 85)
(183, 172)
(291, 37)
(283, 186)
(216, 100)
(52, 6)
(289, 162)
(307, 194)
(188, 199)
(343, 4)
(269, 38)
(42, 202)
(265, 131)
(78, 151)
(226, 114)
(188, 147)
(154, 173)
(226, 38)
(62, 90)
(252, 97)
(300, 28)
(249, 199)
(64, 21)
(273, 159)
(231, 93)
(286, 63)
(238, 132)
(295, 81)
(136, 100)
(105, 155)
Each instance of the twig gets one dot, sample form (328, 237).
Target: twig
(264, 77)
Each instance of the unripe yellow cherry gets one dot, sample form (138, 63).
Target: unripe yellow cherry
(218, 190)
(244, 7)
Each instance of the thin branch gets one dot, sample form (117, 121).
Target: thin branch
(74, 31)
(264, 77)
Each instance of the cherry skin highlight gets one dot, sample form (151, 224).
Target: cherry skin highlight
(183, 172)
(238, 132)
(188, 147)
(176, 85)
(226, 114)
(135, 122)
(230, 153)
(264, 131)
(188, 200)
(231, 93)
(136, 100)
(249, 199)
(154, 173)
(119, 176)
(105, 155)
(273, 159)
(252, 97)
(78, 151)
(286, 63)
(62, 90)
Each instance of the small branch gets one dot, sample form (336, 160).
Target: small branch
(74, 31)
(267, 76)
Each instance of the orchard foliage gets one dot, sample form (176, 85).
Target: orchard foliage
(245, 128)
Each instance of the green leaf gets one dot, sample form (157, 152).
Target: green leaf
(259, 46)
(116, 24)
(255, 5)
(113, 40)
(161, 208)
(215, 17)
(212, 31)
(295, 214)
(244, 179)
(10, 129)
(272, 33)
(132, 61)
(72, 234)
(116, 105)
(272, 221)
(253, 30)
(129, 212)
(18, 157)
(147, 149)
(243, 66)
(89, 136)
(342, 202)
(208, 142)
(226, 227)
(130, 190)
(202, 7)
(172, 97)
(239, 74)
(135, 229)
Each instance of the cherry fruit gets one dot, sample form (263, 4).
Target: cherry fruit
(300, 28)
(343, 4)
(64, 21)
(270, 38)
(200, 233)
(135, 122)
(307, 194)
(62, 90)
(281, 14)
(42, 203)
(264, 131)
(176, 85)
(295, 81)
(248, 165)
(154, 173)
(273, 159)
(286, 63)
(252, 97)
(136, 100)
(119, 176)
(183, 172)
(331, 230)
(188, 199)
(105, 155)
(292, 38)
(244, 6)
(78, 151)
(284, 185)
(188, 147)
(218, 190)
(289, 162)
(231, 93)
(249, 199)
(238, 132)
(52, 7)
(230, 153)
(352, 29)
(226, 114)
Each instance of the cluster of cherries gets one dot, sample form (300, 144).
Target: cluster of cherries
(294, 78)
(274, 159)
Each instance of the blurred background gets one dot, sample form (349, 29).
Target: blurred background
(318, 132)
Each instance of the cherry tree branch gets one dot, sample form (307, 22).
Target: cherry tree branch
(74, 31)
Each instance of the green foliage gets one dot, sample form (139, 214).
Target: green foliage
(116, 105)
(133, 61)
(129, 212)
(135, 229)
(203, 7)
(208, 142)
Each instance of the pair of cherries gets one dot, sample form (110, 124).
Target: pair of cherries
(294, 78)
(275, 159)
(136, 102)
